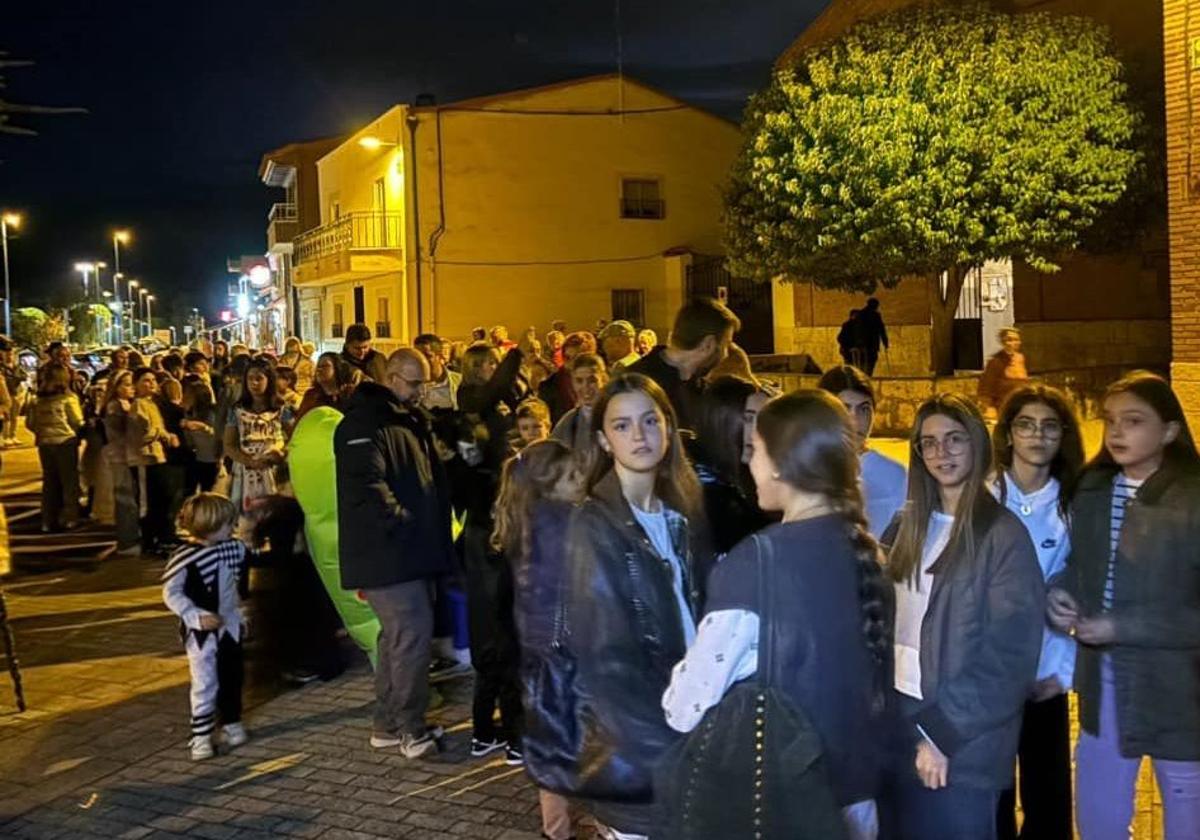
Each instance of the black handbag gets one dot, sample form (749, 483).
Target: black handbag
(556, 756)
(754, 767)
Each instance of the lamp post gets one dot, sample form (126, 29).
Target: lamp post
(99, 266)
(84, 268)
(149, 317)
(7, 220)
(133, 330)
(142, 293)
(120, 237)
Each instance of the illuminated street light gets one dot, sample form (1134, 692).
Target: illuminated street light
(85, 268)
(7, 220)
(149, 317)
(120, 237)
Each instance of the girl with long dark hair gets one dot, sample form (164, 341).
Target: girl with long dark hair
(632, 598)
(967, 633)
(333, 383)
(254, 438)
(834, 640)
(148, 439)
(1038, 452)
(716, 453)
(1131, 597)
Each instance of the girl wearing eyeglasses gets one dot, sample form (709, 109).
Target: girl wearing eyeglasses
(1131, 597)
(967, 636)
(1038, 450)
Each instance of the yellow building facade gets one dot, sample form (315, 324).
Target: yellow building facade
(577, 201)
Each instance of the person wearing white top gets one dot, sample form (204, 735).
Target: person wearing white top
(884, 481)
(1038, 450)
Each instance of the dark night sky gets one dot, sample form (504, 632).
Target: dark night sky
(184, 98)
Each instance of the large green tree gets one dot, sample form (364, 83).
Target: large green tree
(90, 324)
(929, 140)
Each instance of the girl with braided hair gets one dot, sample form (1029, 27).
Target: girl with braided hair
(833, 646)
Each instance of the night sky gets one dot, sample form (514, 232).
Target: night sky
(184, 98)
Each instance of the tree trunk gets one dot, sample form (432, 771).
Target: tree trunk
(941, 311)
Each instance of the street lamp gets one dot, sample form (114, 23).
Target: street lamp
(149, 317)
(85, 268)
(133, 330)
(99, 266)
(7, 220)
(142, 292)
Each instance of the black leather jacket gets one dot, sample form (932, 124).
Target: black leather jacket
(626, 634)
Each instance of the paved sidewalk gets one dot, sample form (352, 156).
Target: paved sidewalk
(307, 772)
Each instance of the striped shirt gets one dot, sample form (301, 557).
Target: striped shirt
(1124, 491)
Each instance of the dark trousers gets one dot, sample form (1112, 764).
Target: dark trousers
(910, 811)
(494, 652)
(1044, 759)
(405, 612)
(870, 359)
(201, 477)
(60, 483)
(174, 479)
(230, 677)
(157, 527)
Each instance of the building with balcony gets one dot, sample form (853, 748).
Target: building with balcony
(577, 201)
(274, 309)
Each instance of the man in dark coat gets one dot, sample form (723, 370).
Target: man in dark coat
(394, 538)
(871, 333)
(359, 354)
(699, 341)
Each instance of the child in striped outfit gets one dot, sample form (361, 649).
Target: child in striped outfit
(200, 585)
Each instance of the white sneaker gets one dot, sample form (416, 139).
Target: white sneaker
(234, 734)
(201, 747)
(410, 746)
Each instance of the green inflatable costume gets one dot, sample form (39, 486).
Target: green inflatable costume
(314, 480)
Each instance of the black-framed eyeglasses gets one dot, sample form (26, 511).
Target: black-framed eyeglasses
(954, 443)
(1025, 427)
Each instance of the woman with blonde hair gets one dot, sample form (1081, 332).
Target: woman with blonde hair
(55, 420)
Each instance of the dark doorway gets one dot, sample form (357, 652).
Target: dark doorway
(750, 301)
(968, 324)
(360, 307)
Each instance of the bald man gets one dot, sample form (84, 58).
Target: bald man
(394, 539)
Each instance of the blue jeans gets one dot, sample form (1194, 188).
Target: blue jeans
(911, 811)
(1105, 780)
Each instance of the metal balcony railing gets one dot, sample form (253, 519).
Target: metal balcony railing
(354, 231)
(282, 212)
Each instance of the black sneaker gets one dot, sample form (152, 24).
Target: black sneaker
(513, 757)
(481, 748)
(441, 669)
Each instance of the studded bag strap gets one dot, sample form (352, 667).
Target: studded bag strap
(766, 610)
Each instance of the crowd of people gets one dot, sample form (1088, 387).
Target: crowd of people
(697, 607)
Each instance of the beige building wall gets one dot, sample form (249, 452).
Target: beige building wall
(528, 228)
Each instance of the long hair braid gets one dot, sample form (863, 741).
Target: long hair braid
(872, 588)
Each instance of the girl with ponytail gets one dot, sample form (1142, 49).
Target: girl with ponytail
(833, 646)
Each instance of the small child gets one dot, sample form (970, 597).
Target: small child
(285, 386)
(533, 421)
(538, 491)
(200, 585)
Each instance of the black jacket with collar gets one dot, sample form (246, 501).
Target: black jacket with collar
(980, 641)
(625, 633)
(392, 493)
(1155, 609)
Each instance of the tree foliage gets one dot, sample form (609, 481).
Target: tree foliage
(90, 323)
(933, 137)
(31, 328)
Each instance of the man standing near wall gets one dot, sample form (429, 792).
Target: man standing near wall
(871, 333)
(394, 539)
(700, 339)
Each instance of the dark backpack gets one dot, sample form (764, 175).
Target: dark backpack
(755, 766)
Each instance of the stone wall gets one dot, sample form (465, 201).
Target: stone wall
(1051, 345)
(899, 397)
(908, 355)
